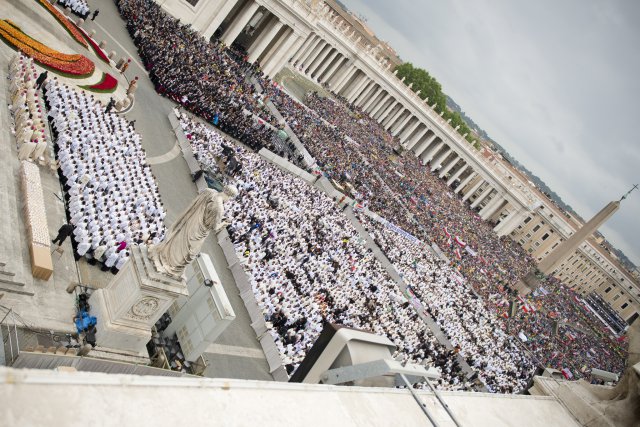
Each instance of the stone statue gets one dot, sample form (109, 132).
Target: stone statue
(621, 404)
(599, 405)
(186, 236)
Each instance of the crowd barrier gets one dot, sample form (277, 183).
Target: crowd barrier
(35, 218)
(325, 185)
(308, 158)
(187, 152)
(258, 323)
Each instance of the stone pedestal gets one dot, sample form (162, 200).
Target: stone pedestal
(528, 283)
(133, 302)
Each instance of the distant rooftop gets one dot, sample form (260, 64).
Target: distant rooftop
(367, 34)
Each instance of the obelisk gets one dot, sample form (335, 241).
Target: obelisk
(566, 248)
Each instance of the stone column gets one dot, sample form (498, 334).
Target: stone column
(302, 56)
(491, 206)
(265, 37)
(392, 121)
(309, 56)
(410, 145)
(438, 162)
(315, 56)
(373, 98)
(449, 166)
(465, 182)
(302, 48)
(358, 87)
(473, 189)
(510, 223)
(322, 63)
(280, 57)
(382, 116)
(407, 133)
(350, 84)
(432, 152)
(343, 77)
(397, 130)
(217, 20)
(457, 175)
(325, 64)
(364, 95)
(266, 59)
(240, 22)
(566, 248)
(482, 196)
(328, 77)
(380, 105)
(421, 151)
(487, 191)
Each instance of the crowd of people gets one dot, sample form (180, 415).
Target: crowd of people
(79, 7)
(207, 79)
(308, 266)
(216, 83)
(470, 326)
(26, 108)
(112, 198)
(581, 342)
(353, 149)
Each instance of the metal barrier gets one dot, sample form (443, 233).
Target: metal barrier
(267, 342)
(10, 349)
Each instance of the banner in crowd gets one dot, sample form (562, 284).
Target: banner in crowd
(413, 299)
(470, 251)
(396, 229)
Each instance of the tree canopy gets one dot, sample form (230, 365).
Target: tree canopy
(429, 87)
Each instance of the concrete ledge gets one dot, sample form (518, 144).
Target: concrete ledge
(241, 278)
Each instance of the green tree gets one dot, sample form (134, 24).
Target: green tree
(429, 87)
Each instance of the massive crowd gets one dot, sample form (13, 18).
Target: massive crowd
(308, 266)
(79, 7)
(582, 341)
(206, 78)
(112, 198)
(353, 148)
(215, 83)
(460, 312)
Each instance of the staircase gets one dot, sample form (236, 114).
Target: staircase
(8, 282)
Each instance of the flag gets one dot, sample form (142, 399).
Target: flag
(458, 254)
(446, 232)
(460, 242)
(567, 373)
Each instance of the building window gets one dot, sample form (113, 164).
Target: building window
(616, 297)
(193, 2)
(623, 306)
(536, 228)
(526, 221)
(545, 237)
(606, 291)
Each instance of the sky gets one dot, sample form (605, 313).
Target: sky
(556, 83)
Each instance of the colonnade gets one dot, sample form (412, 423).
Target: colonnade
(273, 36)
